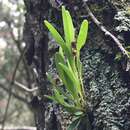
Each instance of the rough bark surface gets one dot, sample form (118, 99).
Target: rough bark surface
(106, 82)
(37, 53)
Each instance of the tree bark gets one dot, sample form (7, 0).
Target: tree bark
(106, 82)
(36, 40)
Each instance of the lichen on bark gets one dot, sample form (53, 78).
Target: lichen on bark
(106, 87)
(108, 93)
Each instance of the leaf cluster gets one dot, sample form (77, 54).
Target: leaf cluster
(70, 93)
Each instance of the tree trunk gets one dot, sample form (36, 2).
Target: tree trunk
(37, 53)
(106, 81)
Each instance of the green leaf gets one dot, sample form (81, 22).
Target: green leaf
(67, 68)
(68, 27)
(127, 47)
(70, 86)
(59, 59)
(61, 52)
(66, 94)
(118, 57)
(76, 75)
(51, 98)
(72, 109)
(55, 34)
(62, 74)
(79, 66)
(71, 29)
(49, 77)
(73, 69)
(59, 97)
(74, 124)
(57, 37)
(78, 113)
(70, 76)
(69, 94)
(82, 35)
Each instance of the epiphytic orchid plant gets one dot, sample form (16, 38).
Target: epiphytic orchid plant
(70, 94)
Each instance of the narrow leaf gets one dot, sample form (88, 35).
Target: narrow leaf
(72, 109)
(49, 77)
(59, 97)
(75, 76)
(82, 35)
(50, 97)
(72, 83)
(71, 30)
(61, 52)
(59, 59)
(74, 124)
(68, 27)
(79, 113)
(55, 34)
(118, 57)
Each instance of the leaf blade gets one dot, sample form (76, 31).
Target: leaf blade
(74, 124)
(82, 35)
(72, 83)
(68, 27)
(55, 34)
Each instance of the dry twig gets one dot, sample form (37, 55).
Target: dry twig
(107, 33)
(23, 87)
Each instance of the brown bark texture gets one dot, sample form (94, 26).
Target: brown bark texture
(106, 80)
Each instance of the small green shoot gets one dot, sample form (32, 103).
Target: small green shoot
(70, 95)
(119, 56)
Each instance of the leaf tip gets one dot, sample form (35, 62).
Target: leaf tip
(63, 8)
(85, 21)
(45, 21)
